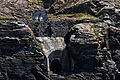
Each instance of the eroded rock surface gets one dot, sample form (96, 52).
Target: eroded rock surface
(94, 53)
(93, 7)
(21, 56)
(51, 28)
(21, 9)
(85, 55)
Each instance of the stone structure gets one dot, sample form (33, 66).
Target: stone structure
(53, 49)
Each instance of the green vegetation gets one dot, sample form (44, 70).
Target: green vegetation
(7, 19)
(98, 23)
(76, 16)
(95, 31)
(72, 29)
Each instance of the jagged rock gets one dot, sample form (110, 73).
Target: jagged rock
(51, 28)
(83, 76)
(21, 55)
(13, 38)
(81, 55)
(48, 3)
(18, 8)
(89, 53)
(83, 47)
(20, 67)
(93, 7)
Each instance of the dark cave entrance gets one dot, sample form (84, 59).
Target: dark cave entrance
(56, 66)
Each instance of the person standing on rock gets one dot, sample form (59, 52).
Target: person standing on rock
(40, 15)
(40, 18)
(36, 18)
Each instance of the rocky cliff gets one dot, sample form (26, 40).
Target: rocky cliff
(88, 53)
(21, 56)
(18, 8)
(59, 49)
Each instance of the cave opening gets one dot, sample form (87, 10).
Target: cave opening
(56, 66)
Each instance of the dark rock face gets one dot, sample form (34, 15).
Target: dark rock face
(93, 7)
(21, 56)
(51, 28)
(20, 67)
(85, 56)
(48, 3)
(99, 59)
(13, 38)
(114, 45)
